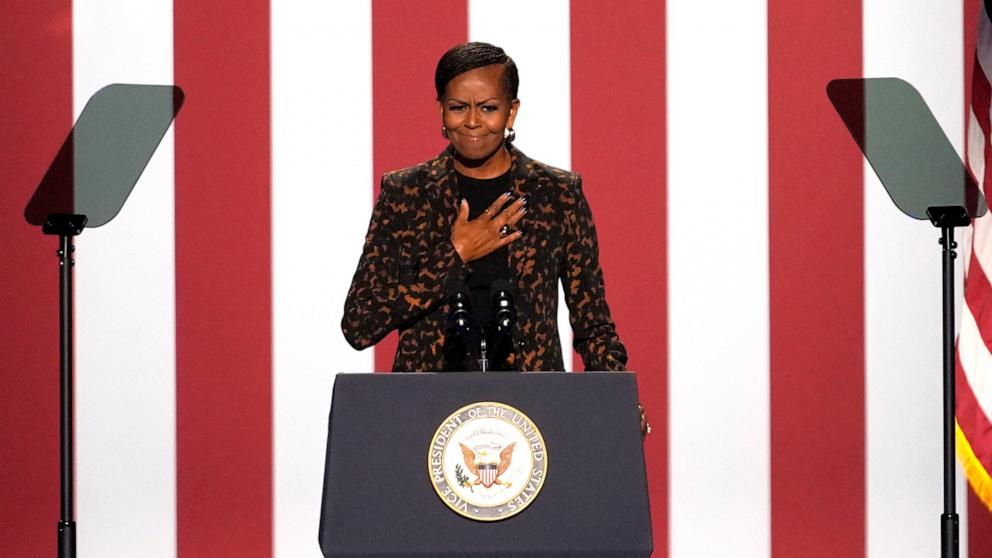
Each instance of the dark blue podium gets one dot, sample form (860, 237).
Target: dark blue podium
(378, 499)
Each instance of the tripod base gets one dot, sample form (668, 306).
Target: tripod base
(67, 539)
(949, 535)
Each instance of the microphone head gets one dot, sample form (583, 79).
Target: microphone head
(504, 310)
(461, 333)
(460, 301)
(499, 287)
(460, 316)
(504, 317)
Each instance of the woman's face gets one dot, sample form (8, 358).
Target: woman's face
(476, 112)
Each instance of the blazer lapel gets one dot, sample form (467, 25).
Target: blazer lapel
(522, 252)
(442, 189)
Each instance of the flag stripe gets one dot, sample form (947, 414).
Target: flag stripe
(981, 104)
(125, 310)
(322, 176)
(972, 537)
(980, 97)
(628, 195)
(973, 392)
(983, 51)
(718, 279)
(36, 93)
(258, 477)
(972, 420)
(979, 527)
(223, 291)
(406, 127)
(976, 364)
(978, 295)
(816, 225)
(539, 45)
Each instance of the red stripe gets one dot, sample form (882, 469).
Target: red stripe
(978, 297)
(36, 94)
(408, 38)
(627, 191)
(972, 419)
(223, 279)
(971, 10)
(980, 94)
(979, 528)
(816, 278)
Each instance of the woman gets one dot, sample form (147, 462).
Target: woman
(478, 214)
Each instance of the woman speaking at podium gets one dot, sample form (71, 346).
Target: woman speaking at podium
(478, 233)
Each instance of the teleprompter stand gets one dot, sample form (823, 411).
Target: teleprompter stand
(66, 227)
(86, 186)
(926, 179)
(378, 499)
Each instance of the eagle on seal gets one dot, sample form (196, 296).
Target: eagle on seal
(485, 467)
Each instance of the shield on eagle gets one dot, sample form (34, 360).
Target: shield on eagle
(485, 466)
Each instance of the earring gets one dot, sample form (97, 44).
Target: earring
(444, 131)
(510, 135)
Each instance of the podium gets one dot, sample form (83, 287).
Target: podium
(379, 499)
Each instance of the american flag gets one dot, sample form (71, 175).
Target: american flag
(783, 318)
(974, 359)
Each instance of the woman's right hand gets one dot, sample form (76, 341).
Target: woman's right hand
(482, 236)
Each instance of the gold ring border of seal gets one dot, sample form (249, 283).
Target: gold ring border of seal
(540, 436)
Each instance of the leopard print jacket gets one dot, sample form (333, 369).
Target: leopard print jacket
(409, 268)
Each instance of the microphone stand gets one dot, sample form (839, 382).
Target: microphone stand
(498, 332)
(483, 361)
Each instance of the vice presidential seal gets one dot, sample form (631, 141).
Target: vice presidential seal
(487, 461)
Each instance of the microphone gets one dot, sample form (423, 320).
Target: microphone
(504, 310)
(504, 318)
(462, 333)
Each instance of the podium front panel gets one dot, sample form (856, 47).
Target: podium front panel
(379, 501)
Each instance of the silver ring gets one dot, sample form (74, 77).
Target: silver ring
(504, 230)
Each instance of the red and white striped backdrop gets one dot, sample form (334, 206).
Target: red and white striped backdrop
(782, 316)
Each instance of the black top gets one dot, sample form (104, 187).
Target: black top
(480, 193)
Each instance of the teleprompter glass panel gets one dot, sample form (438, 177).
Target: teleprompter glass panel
(905, 145)
(105, 153)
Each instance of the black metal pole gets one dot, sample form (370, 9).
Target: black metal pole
(66, 527)
(949, 519)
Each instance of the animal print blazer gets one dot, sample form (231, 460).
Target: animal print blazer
(409, 268)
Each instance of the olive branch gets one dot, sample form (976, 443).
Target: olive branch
(462, 478)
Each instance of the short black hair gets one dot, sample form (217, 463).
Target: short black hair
(469, 56)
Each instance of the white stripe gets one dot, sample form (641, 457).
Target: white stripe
(718, 281)
(976, 147)
(982, 241)
(321, 202)
(125, 304)
(979, 234)
(903, 456)
(539, 44)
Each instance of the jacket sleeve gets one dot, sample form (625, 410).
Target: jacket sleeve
(594, 333)
(400, 275)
